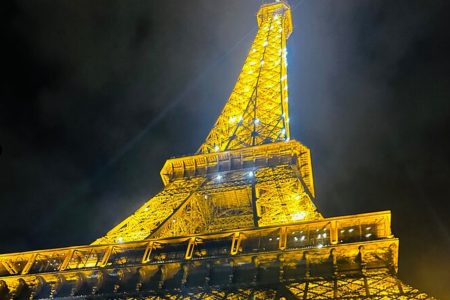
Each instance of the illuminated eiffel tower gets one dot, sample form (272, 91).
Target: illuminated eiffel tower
(236, 220)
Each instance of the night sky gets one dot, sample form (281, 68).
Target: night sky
(95, 95)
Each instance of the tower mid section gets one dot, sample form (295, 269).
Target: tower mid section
(247, 173)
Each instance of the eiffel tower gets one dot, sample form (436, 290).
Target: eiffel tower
(236, 220)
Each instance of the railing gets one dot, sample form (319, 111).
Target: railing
(272, 154)
(317, 234)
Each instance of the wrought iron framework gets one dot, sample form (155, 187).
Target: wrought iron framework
(344, 257)
(237, 220)
(248, 187)
(257, 111)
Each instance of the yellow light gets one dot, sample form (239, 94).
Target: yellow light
(298, 216)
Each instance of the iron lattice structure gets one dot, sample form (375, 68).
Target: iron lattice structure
(257, 111)
(237, 220)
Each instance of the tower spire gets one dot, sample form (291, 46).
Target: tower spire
(257, 110)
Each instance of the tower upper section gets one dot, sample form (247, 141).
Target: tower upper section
(257, 177)
(257, 110)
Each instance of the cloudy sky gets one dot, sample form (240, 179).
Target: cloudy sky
(95, 95)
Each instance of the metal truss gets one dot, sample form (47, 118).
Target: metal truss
(237, 220)
(153, 213)
(282, 198)
(350, 257)
(257, 111)
(255, 186)
(372, 285)
(380, 285)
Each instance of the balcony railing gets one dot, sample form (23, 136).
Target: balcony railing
(303, 235)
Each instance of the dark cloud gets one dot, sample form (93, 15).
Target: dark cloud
(96, 95)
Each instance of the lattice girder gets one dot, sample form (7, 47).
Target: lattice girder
(267, 262)
(235, 221)
(256, 112)
(255, 186)
(153, 213)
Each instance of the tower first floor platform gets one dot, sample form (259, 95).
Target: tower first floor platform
(347, 257)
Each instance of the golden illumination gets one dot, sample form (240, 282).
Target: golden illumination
(237, 220)
(257, 110)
